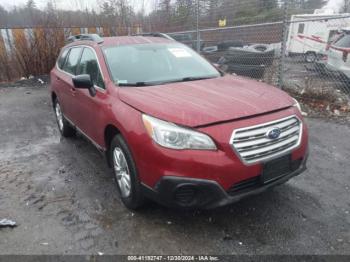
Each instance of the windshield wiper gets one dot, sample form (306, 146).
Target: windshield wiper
(135, 84)
(187, 79)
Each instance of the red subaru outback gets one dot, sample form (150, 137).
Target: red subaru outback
(173, 127)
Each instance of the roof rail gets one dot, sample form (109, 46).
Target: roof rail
(156, 34)
(85, 37)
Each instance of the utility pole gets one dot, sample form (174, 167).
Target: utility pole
(197, 27)
(283, 46)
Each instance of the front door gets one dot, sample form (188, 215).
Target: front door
(68, 91)
(89, 110)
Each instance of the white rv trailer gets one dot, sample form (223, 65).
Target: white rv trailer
(310, 33)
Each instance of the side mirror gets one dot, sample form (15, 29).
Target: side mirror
(84, 82)
(221, 68)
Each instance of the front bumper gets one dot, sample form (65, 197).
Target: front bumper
(180, 192)
(214, 173)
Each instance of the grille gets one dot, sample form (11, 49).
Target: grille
(253, 145)
(243, 186)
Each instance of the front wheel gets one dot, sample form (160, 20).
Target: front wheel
(125, 172)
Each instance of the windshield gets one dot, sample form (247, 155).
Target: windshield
(151, 64)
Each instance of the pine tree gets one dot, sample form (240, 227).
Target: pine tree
(315, 4)
(3, 16)
(268, 4)
(345, 8)
(31, 4)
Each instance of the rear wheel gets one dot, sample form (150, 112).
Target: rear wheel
(65, 128)
(125, 172)
(310, 57)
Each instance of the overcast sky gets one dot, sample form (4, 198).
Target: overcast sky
(73, 4)
(335, 4)
(92, 4)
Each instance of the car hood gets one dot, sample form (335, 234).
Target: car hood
(205, 102)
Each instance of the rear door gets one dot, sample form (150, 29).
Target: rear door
(57, 84)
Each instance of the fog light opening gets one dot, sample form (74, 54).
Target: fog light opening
(186, 195)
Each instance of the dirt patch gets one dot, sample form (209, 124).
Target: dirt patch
(320, 94)
(42, 81)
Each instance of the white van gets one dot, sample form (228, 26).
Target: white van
(310, 33)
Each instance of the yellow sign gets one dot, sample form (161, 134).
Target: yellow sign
(222, 23)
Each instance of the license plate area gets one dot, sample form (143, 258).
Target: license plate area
(276, 168)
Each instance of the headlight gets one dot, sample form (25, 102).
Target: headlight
(172, 136)
(297, 105)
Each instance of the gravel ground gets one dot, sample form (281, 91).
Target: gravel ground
(63, 197)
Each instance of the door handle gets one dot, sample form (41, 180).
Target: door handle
(73, 91)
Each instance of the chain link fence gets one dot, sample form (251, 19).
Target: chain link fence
(289, 44)
(240, 49)
(306, 52)
(317, 68)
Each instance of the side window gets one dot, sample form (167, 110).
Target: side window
(62, 58)
(89, 65)
(72, 61)
(301, 28)
(333, 34)
(343, 42)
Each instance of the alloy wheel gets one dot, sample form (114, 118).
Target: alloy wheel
(310, 57)
(122, 172)
(59, 116)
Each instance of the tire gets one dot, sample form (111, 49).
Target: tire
(310, 57)
(125, 172)
(64, 127)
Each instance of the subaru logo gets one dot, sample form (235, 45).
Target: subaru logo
(274, 133)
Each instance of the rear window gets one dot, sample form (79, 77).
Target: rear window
(62, 58)
(344, 42)
(71, 63)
